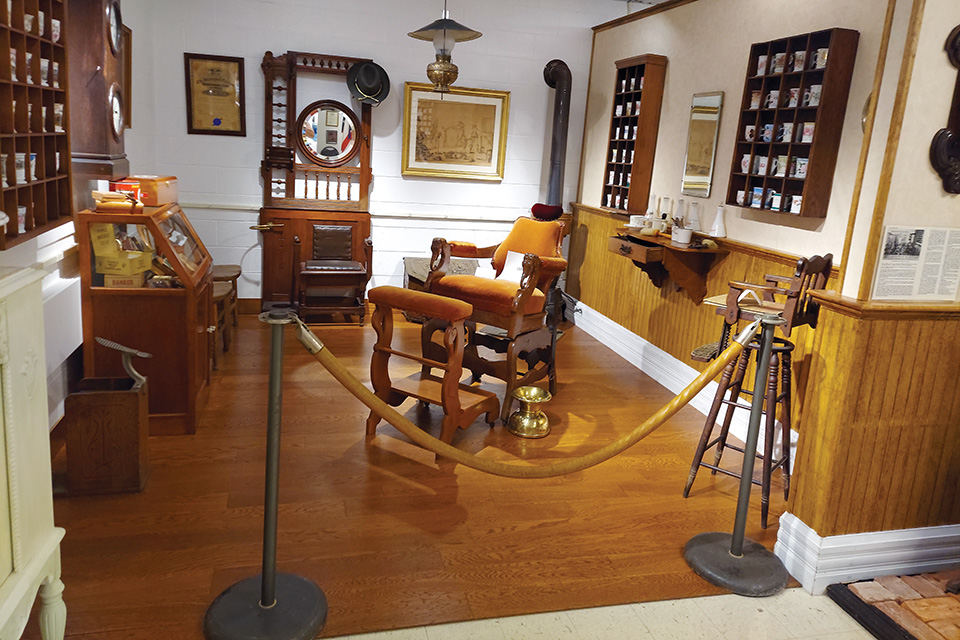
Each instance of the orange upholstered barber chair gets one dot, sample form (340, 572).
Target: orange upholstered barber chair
(513, 316)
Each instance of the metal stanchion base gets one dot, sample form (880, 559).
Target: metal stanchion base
(757, 573)
(298, 614)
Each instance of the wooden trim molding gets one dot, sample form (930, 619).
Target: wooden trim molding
(779, 257)
(890, 153)
(639, 15)
(869, 122)
(867, 310)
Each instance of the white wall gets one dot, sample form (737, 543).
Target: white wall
(707, 44)
(219, 175)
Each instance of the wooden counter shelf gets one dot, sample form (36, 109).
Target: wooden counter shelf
(661, 259)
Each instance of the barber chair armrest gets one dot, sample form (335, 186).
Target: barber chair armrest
(460, 249)
(764, 292)
(532, 268)
(552, 267)
(368, 255)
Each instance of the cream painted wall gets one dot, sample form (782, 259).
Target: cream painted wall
(707, 43)
(219, 175)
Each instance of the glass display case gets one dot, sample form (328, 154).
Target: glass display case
(147, 285)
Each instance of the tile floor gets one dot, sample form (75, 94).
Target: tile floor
(792, 615)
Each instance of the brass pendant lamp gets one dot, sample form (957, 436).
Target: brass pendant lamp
(444, 33)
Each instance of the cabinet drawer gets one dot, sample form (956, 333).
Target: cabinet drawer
(635, 251)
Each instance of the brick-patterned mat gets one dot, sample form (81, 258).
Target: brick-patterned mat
(903, 607)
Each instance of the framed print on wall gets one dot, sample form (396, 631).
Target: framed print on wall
(464, 135)
(215, 95)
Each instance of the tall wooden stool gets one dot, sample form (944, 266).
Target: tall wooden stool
(778, 374)
(797, 308)
(229, 273)
(461, 403)
(224, 305)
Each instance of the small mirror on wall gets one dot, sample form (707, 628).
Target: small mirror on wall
(702, 144)
(328, 133)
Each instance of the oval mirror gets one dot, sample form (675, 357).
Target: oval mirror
(328, 133)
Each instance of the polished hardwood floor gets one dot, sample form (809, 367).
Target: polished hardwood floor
(392, 537)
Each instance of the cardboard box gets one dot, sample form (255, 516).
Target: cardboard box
(103, 240)
(126, 263)
(124, 282)
(153, 191)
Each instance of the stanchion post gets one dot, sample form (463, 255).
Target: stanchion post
(741, 565)
(270, 606)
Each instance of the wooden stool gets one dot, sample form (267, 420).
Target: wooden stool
(779, 367)
(224, 304)
(461, 403)
(229, 273)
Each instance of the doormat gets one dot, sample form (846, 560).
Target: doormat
(918, 607)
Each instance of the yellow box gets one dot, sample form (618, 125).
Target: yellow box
(124, 282)
(103, 240)
(127, 263)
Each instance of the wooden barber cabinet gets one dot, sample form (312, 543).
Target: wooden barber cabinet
(316, 173)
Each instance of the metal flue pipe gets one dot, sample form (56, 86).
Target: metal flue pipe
(557, 76)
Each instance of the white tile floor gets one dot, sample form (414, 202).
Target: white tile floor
(792, 615)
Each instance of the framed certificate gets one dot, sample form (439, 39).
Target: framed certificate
(215, 95)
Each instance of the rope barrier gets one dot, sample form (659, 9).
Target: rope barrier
(313, 344)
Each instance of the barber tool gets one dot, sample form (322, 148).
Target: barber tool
(270, 606)
(127, 355)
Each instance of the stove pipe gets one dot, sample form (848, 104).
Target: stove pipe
(557, 76)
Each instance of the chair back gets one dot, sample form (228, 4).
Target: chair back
(530, 236)
(332, 242)
(811, 275)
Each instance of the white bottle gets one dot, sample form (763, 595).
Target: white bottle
(693, 219)
(718, 230)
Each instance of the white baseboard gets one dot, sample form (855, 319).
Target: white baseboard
(668, 371)
(817, 562)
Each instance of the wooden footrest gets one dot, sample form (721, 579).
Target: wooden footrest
(426, 387)
(706, 352)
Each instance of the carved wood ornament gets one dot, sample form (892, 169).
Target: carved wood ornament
(945, 148)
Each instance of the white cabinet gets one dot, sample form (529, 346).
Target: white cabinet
(29, 543)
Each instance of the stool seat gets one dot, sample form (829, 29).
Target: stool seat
(339, 266)
(221, 291)
(225, 272)
(225, 305)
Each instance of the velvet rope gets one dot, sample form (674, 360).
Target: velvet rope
(509, 470)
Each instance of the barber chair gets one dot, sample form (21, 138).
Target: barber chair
(514, 318)
(332, 281)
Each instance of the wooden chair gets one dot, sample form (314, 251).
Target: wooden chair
(516, 319)
(461, 403)
(797, 308)
(332, 281)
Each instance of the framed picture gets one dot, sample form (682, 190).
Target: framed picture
(462, 135)
(215, 96)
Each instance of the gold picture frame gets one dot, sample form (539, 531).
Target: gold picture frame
(215, 95)
(463, 135)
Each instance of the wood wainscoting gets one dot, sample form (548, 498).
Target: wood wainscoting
(880, 447)
(612, 285)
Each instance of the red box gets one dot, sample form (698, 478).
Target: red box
(153, 191)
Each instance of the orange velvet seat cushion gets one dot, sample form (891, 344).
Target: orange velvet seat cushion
(428, 304)
(495, 296)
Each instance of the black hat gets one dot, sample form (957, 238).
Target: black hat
(368, 82)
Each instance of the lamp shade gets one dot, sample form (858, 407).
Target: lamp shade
(453, 29)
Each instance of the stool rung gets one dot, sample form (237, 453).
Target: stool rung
(738, 405)
(732, 474)
(736, 448)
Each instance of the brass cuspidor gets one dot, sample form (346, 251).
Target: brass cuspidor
(529, 421)
(506, 469)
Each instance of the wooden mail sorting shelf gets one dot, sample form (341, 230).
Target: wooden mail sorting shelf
(661, 258)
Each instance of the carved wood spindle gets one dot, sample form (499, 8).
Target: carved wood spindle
(349, 185)
(316, 185)
(328, 185)
(338, 186)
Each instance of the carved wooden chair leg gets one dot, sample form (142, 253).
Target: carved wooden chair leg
(708, 427)
(511, 380)
(786, 373)
(769, 434)
(735, 392)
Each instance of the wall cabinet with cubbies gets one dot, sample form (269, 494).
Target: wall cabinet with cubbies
(791, 118)
(34, 144)
(634, 122)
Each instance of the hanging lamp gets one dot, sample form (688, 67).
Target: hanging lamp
(444, 33)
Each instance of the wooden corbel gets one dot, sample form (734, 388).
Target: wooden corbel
(945, 148)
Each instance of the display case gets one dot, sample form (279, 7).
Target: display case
(146, 284)
(34, 145)
(791, 117)
(634, 124)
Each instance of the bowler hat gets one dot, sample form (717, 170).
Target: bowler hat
(368, 82)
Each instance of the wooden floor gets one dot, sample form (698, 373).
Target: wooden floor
(394, 539)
